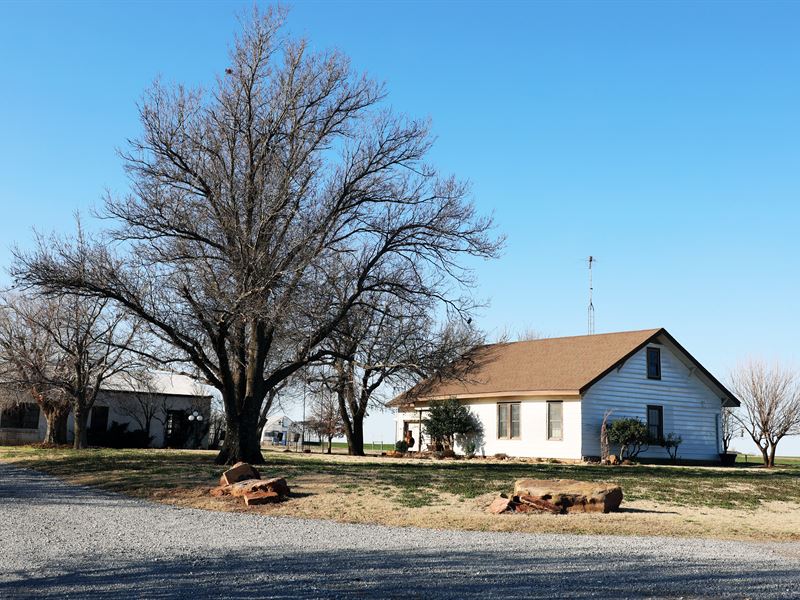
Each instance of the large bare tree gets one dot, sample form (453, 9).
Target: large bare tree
(384, 344)
(77, 345)
(30, 360)
(770, 410)
(242, 201)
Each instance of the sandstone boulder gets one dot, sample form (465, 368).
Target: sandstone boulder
(531, 503)
(239, 472)
(261, 498)
(222, 490)
(500, 505)
(613, 459)
(276, 485)
(569, 495)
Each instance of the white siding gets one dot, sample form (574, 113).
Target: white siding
(691, 408)
(533, 440)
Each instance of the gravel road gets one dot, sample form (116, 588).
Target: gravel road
(66, 541)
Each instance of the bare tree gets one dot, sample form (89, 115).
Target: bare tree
(84, 342)
(247, 199)
(770, 397)
(731, 427)
(384, 344)
(326, 419)
(145, 401)
(30, 360)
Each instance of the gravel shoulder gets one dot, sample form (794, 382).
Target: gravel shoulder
(62, 540)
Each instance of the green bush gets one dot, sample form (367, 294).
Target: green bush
(448, 418)
(630, 435)
(401, 446)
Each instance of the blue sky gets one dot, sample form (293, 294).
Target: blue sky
(661, 138)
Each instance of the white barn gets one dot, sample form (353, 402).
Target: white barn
(170, 398)
(547, 398)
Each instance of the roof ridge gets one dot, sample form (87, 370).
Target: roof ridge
(572, 337)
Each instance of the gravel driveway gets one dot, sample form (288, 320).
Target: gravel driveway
(61, 540)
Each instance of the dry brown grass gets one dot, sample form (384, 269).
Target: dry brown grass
(748, 504)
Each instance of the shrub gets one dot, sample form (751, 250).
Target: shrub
(470, 446)
(401, 446)
(671, 443)
(630, 435)
(448, 418)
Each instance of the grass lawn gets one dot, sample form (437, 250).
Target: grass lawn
(742, 502)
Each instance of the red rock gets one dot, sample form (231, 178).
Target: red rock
(538, 504)
(251, 486)
(277, 485)
(499, 505)
(261, 498)
(239, 472)
(572, 496)
(219, 491)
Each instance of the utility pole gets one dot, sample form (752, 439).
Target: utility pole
(303, 426)
(590, 315)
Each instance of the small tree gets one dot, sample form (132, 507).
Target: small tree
(448, 418)
(770, 399)
(326, 420)
(630, 435)
(671, 443)
(30, 360)
(731, 427)
(145, 403)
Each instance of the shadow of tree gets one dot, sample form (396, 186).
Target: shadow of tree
(270, 573)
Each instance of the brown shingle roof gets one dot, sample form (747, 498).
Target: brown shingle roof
(565, 365)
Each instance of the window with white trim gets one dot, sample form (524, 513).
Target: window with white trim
(555, 420)
(508, 422)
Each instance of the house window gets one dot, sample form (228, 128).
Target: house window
(655, 422)
(654, 363)
(508, 420)
(555, 420)
(21, 416)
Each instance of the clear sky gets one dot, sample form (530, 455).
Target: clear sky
(662, 138)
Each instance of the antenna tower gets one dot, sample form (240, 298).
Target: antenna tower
(591, 261)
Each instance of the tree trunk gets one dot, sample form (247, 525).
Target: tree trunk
(355, 439)
(81, 433)
(772, 448)
(764, 455)
(242, 442)
(56, 425)
(330, 444)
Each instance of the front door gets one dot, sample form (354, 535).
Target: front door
(174, 431)
(413, 427)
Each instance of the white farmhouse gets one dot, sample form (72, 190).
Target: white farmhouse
(547, 398)
(280, 430)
